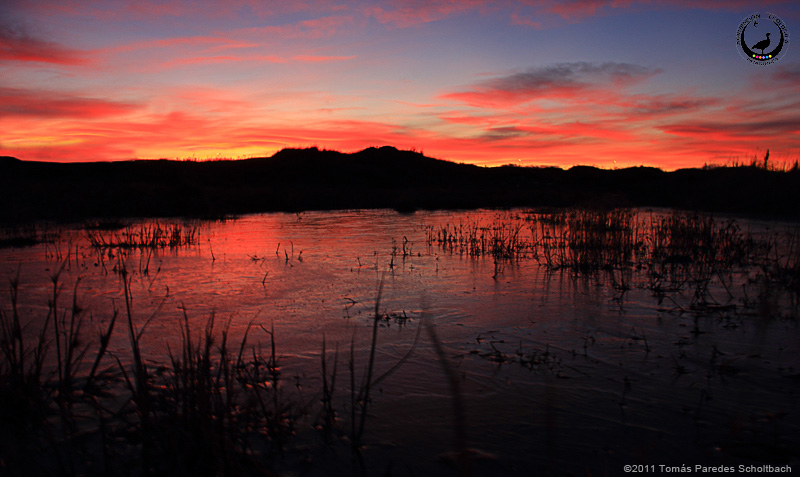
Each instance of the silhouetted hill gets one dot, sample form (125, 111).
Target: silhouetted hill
(307, 179)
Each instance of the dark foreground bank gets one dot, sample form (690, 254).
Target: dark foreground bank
(310, 179)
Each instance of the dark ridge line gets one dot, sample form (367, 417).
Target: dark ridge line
(375, 178)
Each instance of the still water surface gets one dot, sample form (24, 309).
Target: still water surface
(559, 371)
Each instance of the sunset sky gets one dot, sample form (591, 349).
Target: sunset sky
(597, 82)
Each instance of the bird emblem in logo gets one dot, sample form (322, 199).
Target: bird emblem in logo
(762, 42)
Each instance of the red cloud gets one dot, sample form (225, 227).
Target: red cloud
(39, 103)
(19, 47)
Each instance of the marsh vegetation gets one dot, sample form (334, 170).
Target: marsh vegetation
(367, 342)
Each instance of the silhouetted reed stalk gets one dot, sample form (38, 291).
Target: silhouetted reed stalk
(366, 385)
(360, 396)
(13, 343)
(459, 415)
(104, 339)
(134, 337)
(328, 413)
(71, 340)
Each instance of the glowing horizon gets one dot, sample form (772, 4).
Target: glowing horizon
(590, 82)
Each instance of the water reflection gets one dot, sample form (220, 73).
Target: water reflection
(592, 337)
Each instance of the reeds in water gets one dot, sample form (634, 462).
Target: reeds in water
(146, 239)
(154, 235)
(586, 241)
(499, 240)
(666, 253)
(42, 384)
(213, 409)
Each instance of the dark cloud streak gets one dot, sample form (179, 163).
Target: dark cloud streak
(561, 80)
(17, 44)
(738, 129)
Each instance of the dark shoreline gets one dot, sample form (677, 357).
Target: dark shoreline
(309, 179)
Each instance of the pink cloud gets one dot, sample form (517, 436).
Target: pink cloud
(787, 75)
(319, 59)
(214, 43)
(403, 14)
(577, 10)
(313, 29)
(517, 19)
(202, 60)
(154, 9)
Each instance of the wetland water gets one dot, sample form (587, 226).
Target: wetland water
(578, 342)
